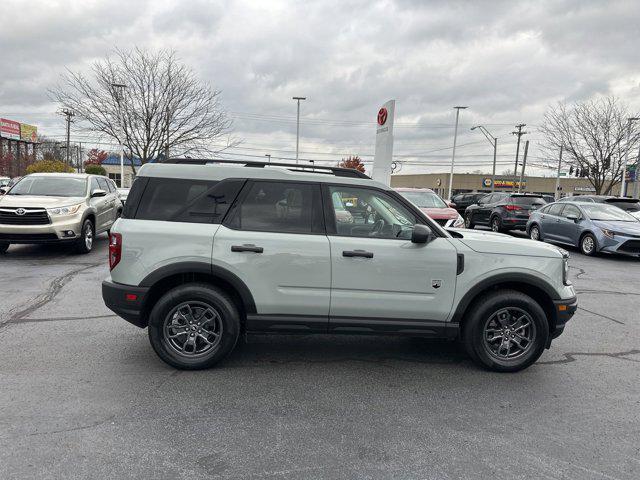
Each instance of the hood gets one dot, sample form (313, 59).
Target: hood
(440, 213)
(491, 242)
(38, 201)
(632, 228)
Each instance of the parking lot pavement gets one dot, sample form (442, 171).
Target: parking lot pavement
(83, 395)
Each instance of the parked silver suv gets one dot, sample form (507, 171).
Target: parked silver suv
(205, 251)
(58, 208)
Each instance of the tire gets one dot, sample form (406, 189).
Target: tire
(588, 245)
(4, 246)
(468, 221)
(212, 335)
(496, 224)
(534, 232)
(87, 237)
(487, 317)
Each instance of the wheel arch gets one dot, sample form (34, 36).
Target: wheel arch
(542, 292)
(170, 276)
(588, 232)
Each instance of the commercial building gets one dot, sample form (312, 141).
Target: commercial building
(112, 165)
(471, 182)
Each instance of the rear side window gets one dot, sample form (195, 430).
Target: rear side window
(285, 207)
(180, 200)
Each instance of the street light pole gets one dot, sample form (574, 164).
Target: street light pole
(623, 187)
(557, 195)
(453, 154)
(493, 141)
(268, 155)
(119, 89)
(297, 99)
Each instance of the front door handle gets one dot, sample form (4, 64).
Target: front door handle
(247, 248)
(357, 253)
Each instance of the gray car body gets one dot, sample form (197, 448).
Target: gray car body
(558, 228)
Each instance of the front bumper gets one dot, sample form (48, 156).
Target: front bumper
(65, 229)
(564, 310)
(620, 244)
(125, 301)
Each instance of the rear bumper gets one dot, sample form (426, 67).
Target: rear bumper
(516, 223)
(125, 301)
(565, 309)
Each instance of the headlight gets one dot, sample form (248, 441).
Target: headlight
(607, 233)
(64, 210)
(459, 222)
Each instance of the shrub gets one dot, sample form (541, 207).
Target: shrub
(49, 166)
(95, 170)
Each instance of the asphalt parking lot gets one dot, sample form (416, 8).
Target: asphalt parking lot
(82, 394)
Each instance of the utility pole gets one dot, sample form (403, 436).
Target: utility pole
(493, 141)
(298, 125)
(166, 146)
(557, 196)
(268, 155)
(623, 187)
(453, 154)
(519, 133)
(119, 90)
(635, 180)
(68, 114)
(524, 164)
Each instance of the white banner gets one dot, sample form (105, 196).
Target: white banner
(384, 143)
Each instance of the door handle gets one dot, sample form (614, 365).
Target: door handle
(247, 248)
(357, 253)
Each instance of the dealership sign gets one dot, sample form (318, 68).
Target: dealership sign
(501, 183)
(28, 133)
(383, 158)
(584, 189)
(9, 129)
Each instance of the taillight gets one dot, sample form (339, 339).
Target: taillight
(115, 249)
(512, 207)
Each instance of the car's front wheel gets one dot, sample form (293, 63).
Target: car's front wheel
(87, 234)
(507, 331)
(194, 326)
(588, 245)
(468, 220)
(4, 246)
(534, 232)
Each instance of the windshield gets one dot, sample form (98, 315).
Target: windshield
(598, 211)
(50, 186)
(424, 199)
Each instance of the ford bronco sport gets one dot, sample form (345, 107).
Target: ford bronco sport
(207, 250)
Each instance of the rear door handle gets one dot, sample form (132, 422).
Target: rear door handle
(357, 253)
(247, 248)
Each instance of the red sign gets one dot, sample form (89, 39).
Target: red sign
(382, 116)
(9, 129)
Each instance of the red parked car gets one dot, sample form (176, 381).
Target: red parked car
(430, 203)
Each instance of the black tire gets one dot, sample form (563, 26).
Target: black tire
(4, 246)
(534, 232)
(87, 237)
(164, 315)
(485, 311)
(468, 221)
(496, 224)
(588, 245)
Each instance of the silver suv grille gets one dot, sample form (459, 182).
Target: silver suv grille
(24, 216)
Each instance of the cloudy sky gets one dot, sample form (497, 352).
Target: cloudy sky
(506, 60)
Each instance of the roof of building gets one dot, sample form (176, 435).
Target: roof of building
(115, 160)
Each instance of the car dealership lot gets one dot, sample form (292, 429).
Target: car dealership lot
(83, 395)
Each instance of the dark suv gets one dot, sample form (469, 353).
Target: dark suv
(463, 200)
(503, 211)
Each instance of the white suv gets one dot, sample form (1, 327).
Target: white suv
(205, 251)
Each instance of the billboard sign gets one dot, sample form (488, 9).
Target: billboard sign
(502, 183)
(9, 129)
(28, 133)
(384, 143)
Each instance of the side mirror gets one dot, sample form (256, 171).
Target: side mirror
(98, 193)
(421, 234)
(573, 218)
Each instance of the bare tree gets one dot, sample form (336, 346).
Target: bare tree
(149, 102)
(594, 137)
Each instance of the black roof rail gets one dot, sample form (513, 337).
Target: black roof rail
(294, 167)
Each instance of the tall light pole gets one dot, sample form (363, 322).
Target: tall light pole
(119, 93)
(493, 141)
(623, 187)
(268, 155)
(298, 124)
(453, 155)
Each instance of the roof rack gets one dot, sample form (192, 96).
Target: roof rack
(294, 167)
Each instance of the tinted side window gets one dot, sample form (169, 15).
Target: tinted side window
(571, 210)
(103, 184)
(94, 184)
(179, 200)
(555, 209)
(278, 207)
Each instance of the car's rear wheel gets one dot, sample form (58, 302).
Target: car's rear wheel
(87, 234)
(588, 245)
(4, 246)
(194, 326)
(468, 220)
(534, 232)
(496, 224)
(506, 332)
